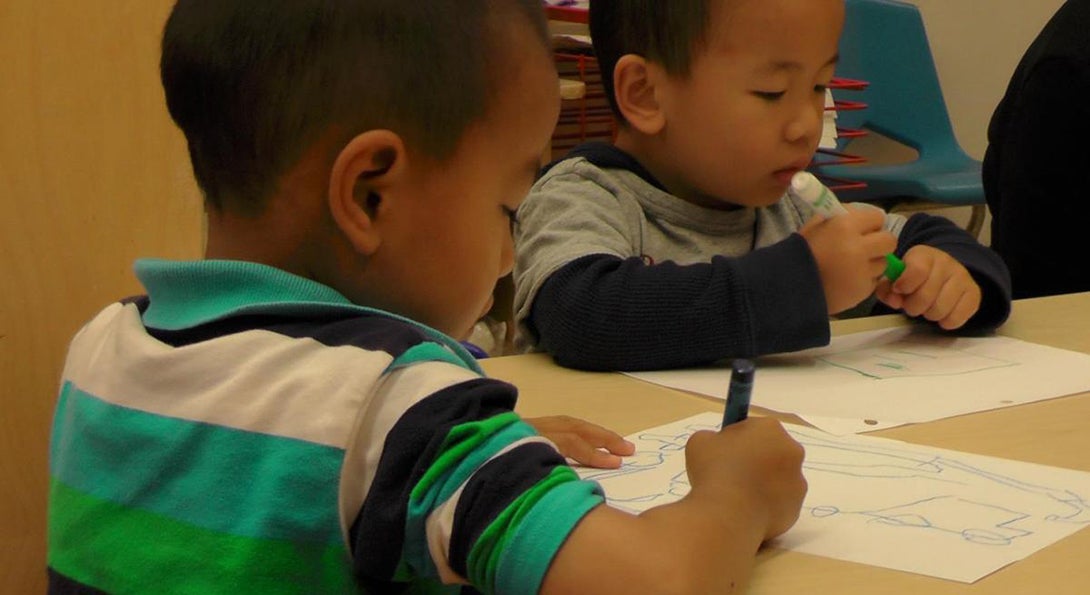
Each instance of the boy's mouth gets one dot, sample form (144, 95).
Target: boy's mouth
(783, 176)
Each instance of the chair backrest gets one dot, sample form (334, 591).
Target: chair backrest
(885, 43)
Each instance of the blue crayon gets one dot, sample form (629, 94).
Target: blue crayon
(741, 386)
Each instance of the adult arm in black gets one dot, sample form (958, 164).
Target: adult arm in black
(1036, 178)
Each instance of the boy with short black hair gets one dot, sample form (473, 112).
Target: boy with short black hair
(292, 414)
(678, 246)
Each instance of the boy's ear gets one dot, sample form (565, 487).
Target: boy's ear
(635, 85)
(364, 173)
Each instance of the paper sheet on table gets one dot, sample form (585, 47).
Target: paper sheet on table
(897, 376)
(930, 511)
(844, 425)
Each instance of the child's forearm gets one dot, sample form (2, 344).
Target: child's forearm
(702, 544)
(605, 313)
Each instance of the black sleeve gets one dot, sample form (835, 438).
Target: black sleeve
(1035, 179)
(987, 269)
(601, 312)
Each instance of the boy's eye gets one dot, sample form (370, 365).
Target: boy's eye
(769, 95)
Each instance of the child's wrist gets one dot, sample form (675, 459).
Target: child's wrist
(732, 507)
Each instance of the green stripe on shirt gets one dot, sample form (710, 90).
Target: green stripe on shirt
(218, 478)
(459, 443)
(484, 557)
(427, 352)
(532, 545)
(470, 446)
(126, 550)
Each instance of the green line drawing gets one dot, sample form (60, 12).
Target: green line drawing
(882, 363)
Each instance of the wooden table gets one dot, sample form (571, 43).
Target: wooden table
(1054, 432)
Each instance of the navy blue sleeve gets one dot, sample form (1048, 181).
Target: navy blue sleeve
(986, 267)
(601, 312)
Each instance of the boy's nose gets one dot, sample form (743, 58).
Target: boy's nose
(806, 126)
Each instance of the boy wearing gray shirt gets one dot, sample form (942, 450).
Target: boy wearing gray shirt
(678, 245)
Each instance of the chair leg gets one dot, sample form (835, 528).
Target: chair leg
(903, 205)
(976, 220)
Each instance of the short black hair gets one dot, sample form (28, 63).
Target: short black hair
(667, 32)
(255, 83)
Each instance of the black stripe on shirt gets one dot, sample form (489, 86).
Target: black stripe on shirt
(62, 585)
(492, 489)
(140, 301)
(378, 533)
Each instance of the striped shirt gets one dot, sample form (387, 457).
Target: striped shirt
(241, 429)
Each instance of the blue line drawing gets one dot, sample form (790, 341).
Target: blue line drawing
(881, 486)
(649, 464)
(979, 523)
(945, 478)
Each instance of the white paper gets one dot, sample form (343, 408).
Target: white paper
(881, 502)
(895, 376)
(828, 130)
(843, 425)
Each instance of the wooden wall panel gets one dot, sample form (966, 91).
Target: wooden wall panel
(93, 174)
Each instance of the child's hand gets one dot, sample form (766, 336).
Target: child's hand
(755, 459)
(583, 441)
(935, 286)
(850, 251)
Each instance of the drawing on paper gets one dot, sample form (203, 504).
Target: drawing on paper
(855, 482)
(907, 361)
(653, 466)
(897, 376)
(934, 493)
(972, 521)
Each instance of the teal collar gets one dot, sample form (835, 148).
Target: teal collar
(184, 294)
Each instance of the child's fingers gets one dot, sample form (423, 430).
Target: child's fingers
(594, 434)
(583, 441)
(967, 304)
(917, 270)
(885, 294)
(879, 243)
(935, 286)
(945, 300)
(600, 437)
(911, 279)
(959, 314)
(811, 224)
(876, 269)
(866, 219)
(576, 448)
(918, 302)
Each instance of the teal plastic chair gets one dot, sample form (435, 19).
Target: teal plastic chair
(885, 43)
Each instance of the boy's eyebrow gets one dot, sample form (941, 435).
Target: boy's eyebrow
(781, 65)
